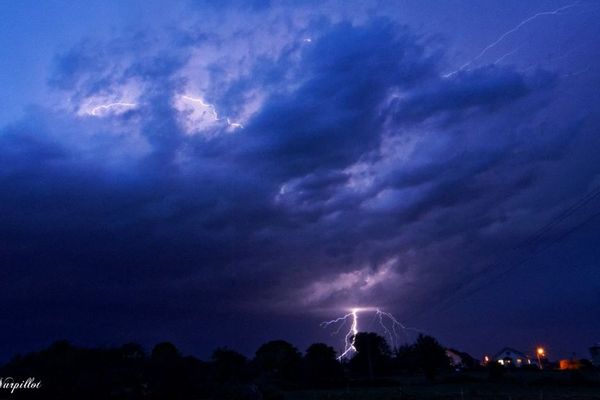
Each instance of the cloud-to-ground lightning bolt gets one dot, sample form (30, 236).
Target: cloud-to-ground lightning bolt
(212, 110)
(94, 111)
(509, 32)
(390, 330)
(393, 334)
(350, 338)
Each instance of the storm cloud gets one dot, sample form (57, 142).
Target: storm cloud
(362, 175)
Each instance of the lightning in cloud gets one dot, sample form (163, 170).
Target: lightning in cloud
(203, 104)
(234, 124)
(509, 32)
(510, 53)
(99, 110)
(389, 324)
(212, 110)
(581, 71)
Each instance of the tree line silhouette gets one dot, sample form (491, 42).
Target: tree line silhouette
(128, 372)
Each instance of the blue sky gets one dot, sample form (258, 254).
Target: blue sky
(188, 171)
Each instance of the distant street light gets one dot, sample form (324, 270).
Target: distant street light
(540, 353)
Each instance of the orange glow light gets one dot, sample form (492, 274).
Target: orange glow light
(540, 351)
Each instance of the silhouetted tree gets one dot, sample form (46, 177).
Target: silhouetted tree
(406, 359)
(165, 353)
(166, 373)
(229, 365)
(431, 356)
(372, 355)
(278, 359)
(126, 372)
(70, 372)
(132, 351)
(321, 366)
(195, 377)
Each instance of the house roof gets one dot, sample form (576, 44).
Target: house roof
(511, 350)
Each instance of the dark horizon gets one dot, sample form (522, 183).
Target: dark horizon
(224, 174)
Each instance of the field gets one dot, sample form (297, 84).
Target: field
(467, 392)
(552, 385)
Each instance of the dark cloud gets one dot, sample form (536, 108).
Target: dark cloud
(484, 89)
(330, 119)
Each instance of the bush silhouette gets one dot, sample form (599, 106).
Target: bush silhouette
(278, 360)
(128, 372)
(229, 366)
(372, 356)
(431, 356)
(321, 368)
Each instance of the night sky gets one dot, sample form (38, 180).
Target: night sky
(224, 174)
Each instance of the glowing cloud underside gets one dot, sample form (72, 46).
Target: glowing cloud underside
(389, 324)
